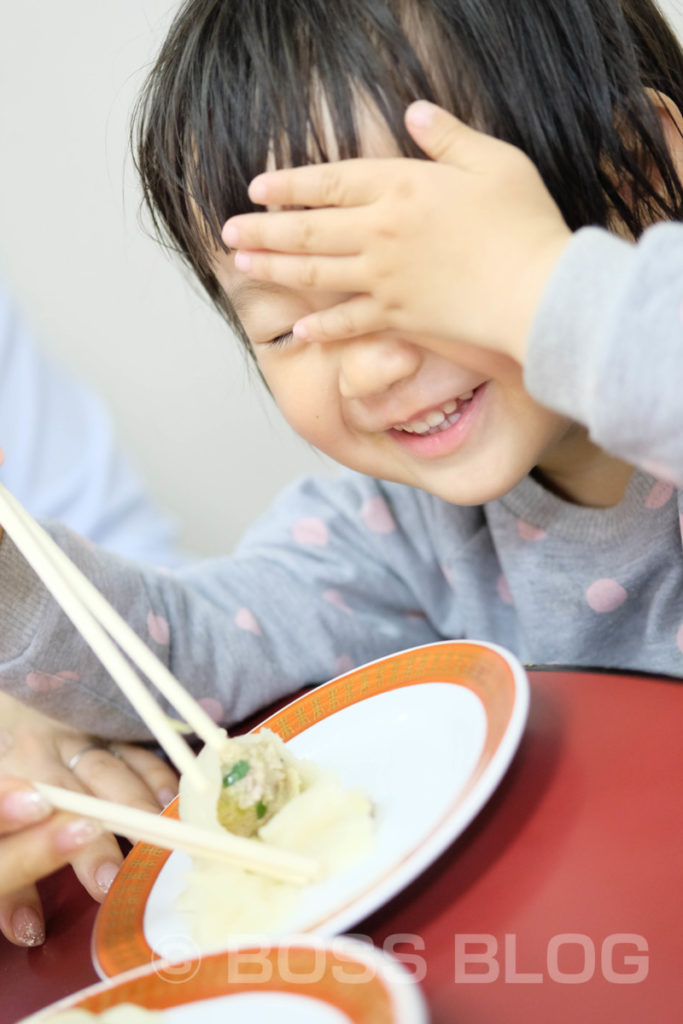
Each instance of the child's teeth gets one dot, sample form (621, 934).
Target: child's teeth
(439, 419)
(435, 418)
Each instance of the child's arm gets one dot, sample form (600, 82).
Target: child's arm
(606, 345)
(326, 580)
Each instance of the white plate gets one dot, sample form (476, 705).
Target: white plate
(428, 733)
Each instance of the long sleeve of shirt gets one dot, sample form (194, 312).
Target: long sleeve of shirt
(606, 347)
(341, 572)
(321, 584)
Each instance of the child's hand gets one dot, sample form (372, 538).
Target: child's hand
(458, 249)
(35, 747)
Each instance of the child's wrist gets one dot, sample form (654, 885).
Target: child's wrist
(531, 291)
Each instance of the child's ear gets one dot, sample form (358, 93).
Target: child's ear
(672, 125)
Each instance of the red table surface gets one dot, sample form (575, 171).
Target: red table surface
(567, 888)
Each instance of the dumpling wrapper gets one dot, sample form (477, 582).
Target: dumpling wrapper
(332, 824)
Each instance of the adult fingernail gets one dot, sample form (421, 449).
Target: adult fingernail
(166, 795)
(242, 261)
(76, 834)
(300, 330)
(25, 805)
(27, 927)
(105, 875)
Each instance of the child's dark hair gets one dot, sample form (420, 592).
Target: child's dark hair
(238, 81)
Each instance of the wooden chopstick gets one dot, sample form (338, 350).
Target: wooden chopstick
(171, 834)
(100, 626)
(126, 637)
(98, 623)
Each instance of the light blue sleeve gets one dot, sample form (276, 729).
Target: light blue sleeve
(62, 460)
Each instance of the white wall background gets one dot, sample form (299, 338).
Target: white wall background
(100, 293)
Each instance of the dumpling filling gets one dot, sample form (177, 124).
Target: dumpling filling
(258, 778)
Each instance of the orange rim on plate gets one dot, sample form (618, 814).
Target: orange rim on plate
(119, 942)
(342, 974)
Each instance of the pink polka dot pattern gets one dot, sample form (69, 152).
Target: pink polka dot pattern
(663, 473)
(213, 708)
(529, 532)
(336, 598)
(344, 663)
(246, 620)
(43, 682)
(311, 531)
(503, 588)
(659, 495)
(605, 595)
(679, 638)
(158, 629)
(377, 517)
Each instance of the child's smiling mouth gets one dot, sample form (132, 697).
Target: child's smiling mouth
(443, 428)
(437, 419)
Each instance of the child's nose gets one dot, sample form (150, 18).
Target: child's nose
(369, 367)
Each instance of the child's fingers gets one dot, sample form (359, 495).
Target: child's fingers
(324, 273)
(331, 232)
(342, 183)
(353, 318)
(445, 138)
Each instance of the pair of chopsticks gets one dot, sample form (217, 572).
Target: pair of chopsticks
(111, 639)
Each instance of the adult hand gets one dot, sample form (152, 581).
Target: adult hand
(35, 747)
(33, 843)
(456, 249)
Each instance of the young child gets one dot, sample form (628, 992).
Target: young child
(499, 233)
(469, 509)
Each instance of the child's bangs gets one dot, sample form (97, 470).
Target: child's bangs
(256, 84)
(243, 85)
